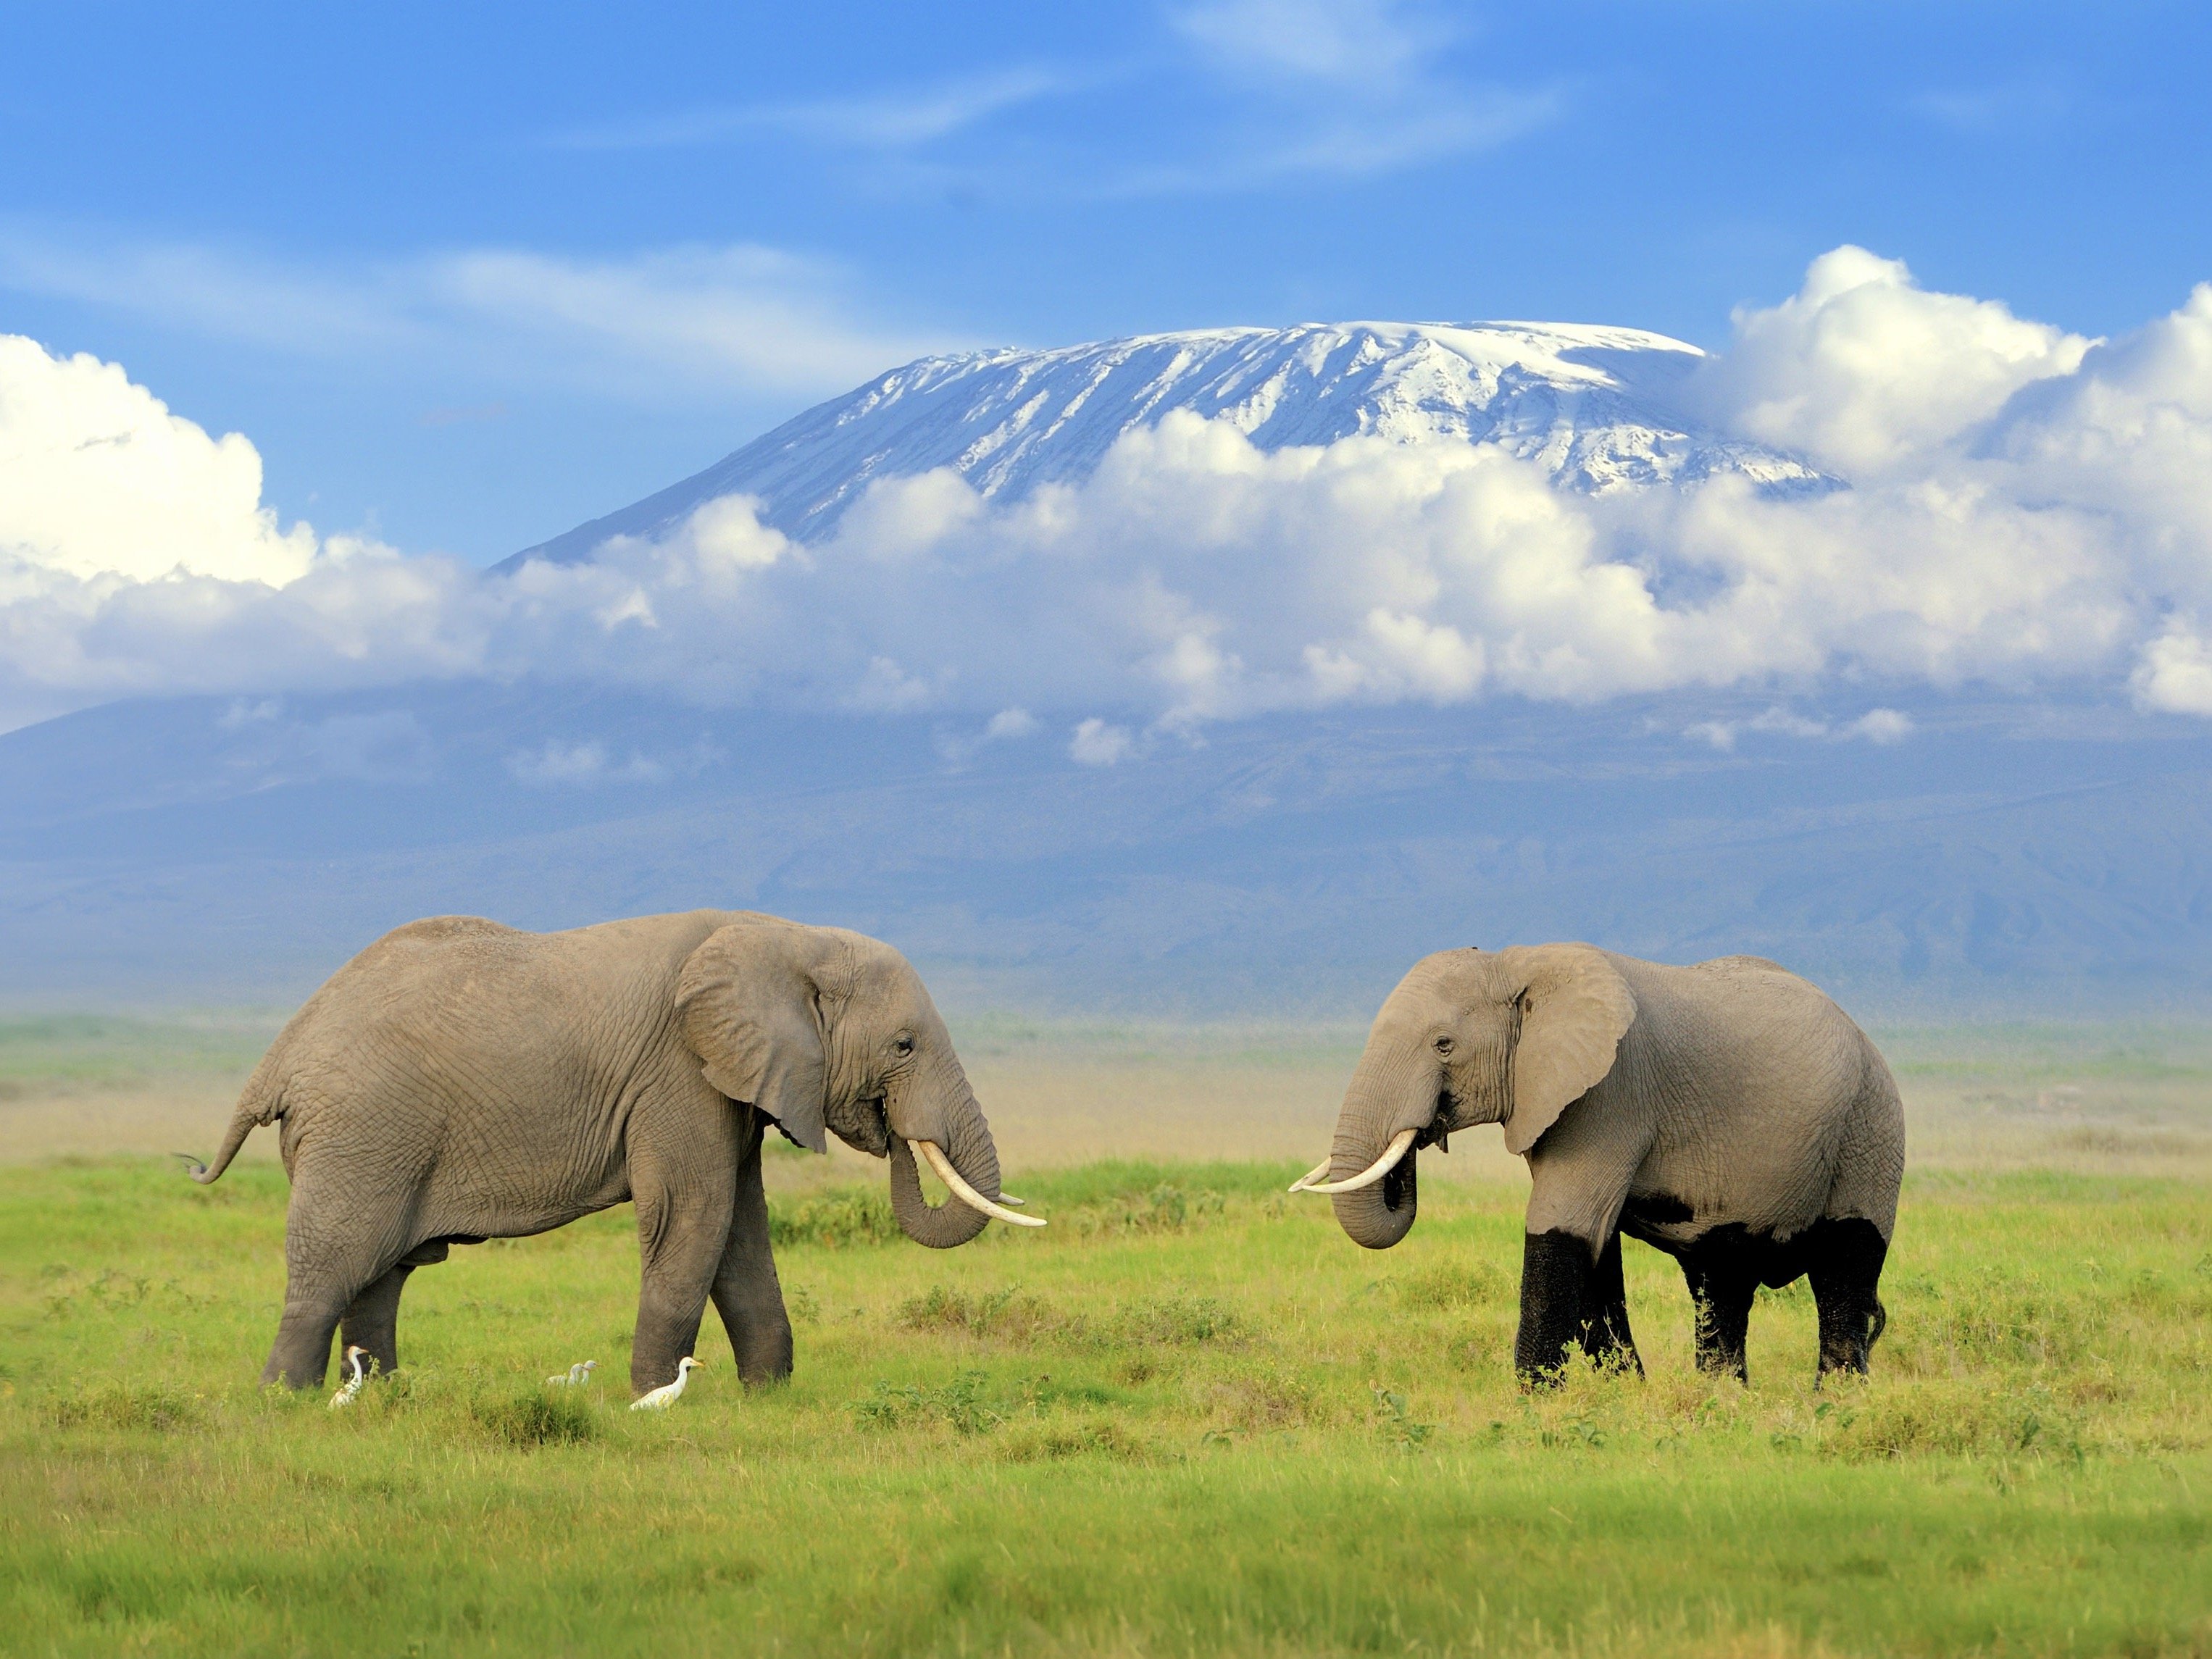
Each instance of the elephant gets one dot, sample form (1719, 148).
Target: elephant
(1727, 1112)
(460, 1080)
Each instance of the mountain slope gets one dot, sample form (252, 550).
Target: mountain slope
(1600, 409)
(1291, 863)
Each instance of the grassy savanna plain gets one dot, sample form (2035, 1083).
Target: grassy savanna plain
(1187, 1417)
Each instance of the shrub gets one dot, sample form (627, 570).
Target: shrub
(1005, 1312)
(1449, 1286)
(1098, 1437)
(844, 1216)
(964, 1404)
(121, 1407)
(539, 1417)
(1180, 1321)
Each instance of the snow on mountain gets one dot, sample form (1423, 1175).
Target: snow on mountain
(1600, 409)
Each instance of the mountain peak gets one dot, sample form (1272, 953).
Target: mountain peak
(1600, 409)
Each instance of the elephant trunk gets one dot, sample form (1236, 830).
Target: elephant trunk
(966, 1141)
(1376, 1110)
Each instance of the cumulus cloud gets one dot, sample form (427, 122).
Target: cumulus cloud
(1097, 743)
(2025, 506)
(1865, 372)
(99, 480)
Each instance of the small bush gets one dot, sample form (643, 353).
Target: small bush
(159, 1409)
(1256, 1401)
(846, 1216)
(1165, 1208)
(540, 1417)
(964, 1404)
(1005, 1312)
(1180, 1321)
(1905, 1421)
(1450, 1285)
(1098, 1436)
(1393, 1418)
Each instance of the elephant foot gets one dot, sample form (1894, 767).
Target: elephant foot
(1846, 1259)
(302, 1355)
(1571, 1297)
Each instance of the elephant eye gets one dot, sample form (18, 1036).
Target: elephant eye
(903, 1045)
(1443, 1045)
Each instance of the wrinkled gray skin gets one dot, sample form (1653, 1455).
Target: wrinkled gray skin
(459, 1080)
(1729, 1114)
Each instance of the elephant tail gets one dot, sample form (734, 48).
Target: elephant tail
(261, 1102)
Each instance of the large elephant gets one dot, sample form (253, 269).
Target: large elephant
(459, 1080)
(1728, 1112)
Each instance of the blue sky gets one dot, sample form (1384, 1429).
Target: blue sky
(467, 279)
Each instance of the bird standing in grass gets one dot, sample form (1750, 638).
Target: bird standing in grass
(666, 1396)
(344, 1395)
(579, 1374)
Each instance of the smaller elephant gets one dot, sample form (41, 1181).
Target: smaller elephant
(1729, 1114)
(459, 1080)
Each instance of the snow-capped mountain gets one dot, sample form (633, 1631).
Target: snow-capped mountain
(1600, 409)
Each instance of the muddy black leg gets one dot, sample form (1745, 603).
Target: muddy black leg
(1557, 1282)
(1722, 1287)
(1608, 1337)
(1844, 1258)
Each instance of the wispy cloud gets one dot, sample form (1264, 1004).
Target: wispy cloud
(1245, 95)
(898, 119)
(1337, 89)
(2022, 104)
(1377, 47)
(732, 318)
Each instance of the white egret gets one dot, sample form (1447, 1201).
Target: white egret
(579, 1374)
(666, 1396)
(344, 1395)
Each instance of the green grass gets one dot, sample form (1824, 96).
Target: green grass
(1190, 1418)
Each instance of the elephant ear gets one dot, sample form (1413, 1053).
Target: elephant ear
(1576, 1008)
(748, 1004)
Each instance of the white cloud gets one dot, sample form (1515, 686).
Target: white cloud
(1097, 743)
(1881, 726)
(2041, 509)
(1377, 46)
(897, 119)
(1343, 88)
(1865, 372)
(99, 479)
(582, 765)
(732, 317)
(2174, 674)
(1877, 725)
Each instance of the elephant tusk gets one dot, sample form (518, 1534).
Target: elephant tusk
(967, 1194)
(1008, 1198)
(1311, 1177)
(1401, 1144)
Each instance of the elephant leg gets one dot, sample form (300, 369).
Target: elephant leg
(684, 1216)
(1571, 1282)
(1723, 1282)
(332, 1246)
(1558, 1292)
(1608, 1337)
(1844, 1258)
(373, 1321)
(746, 1292)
